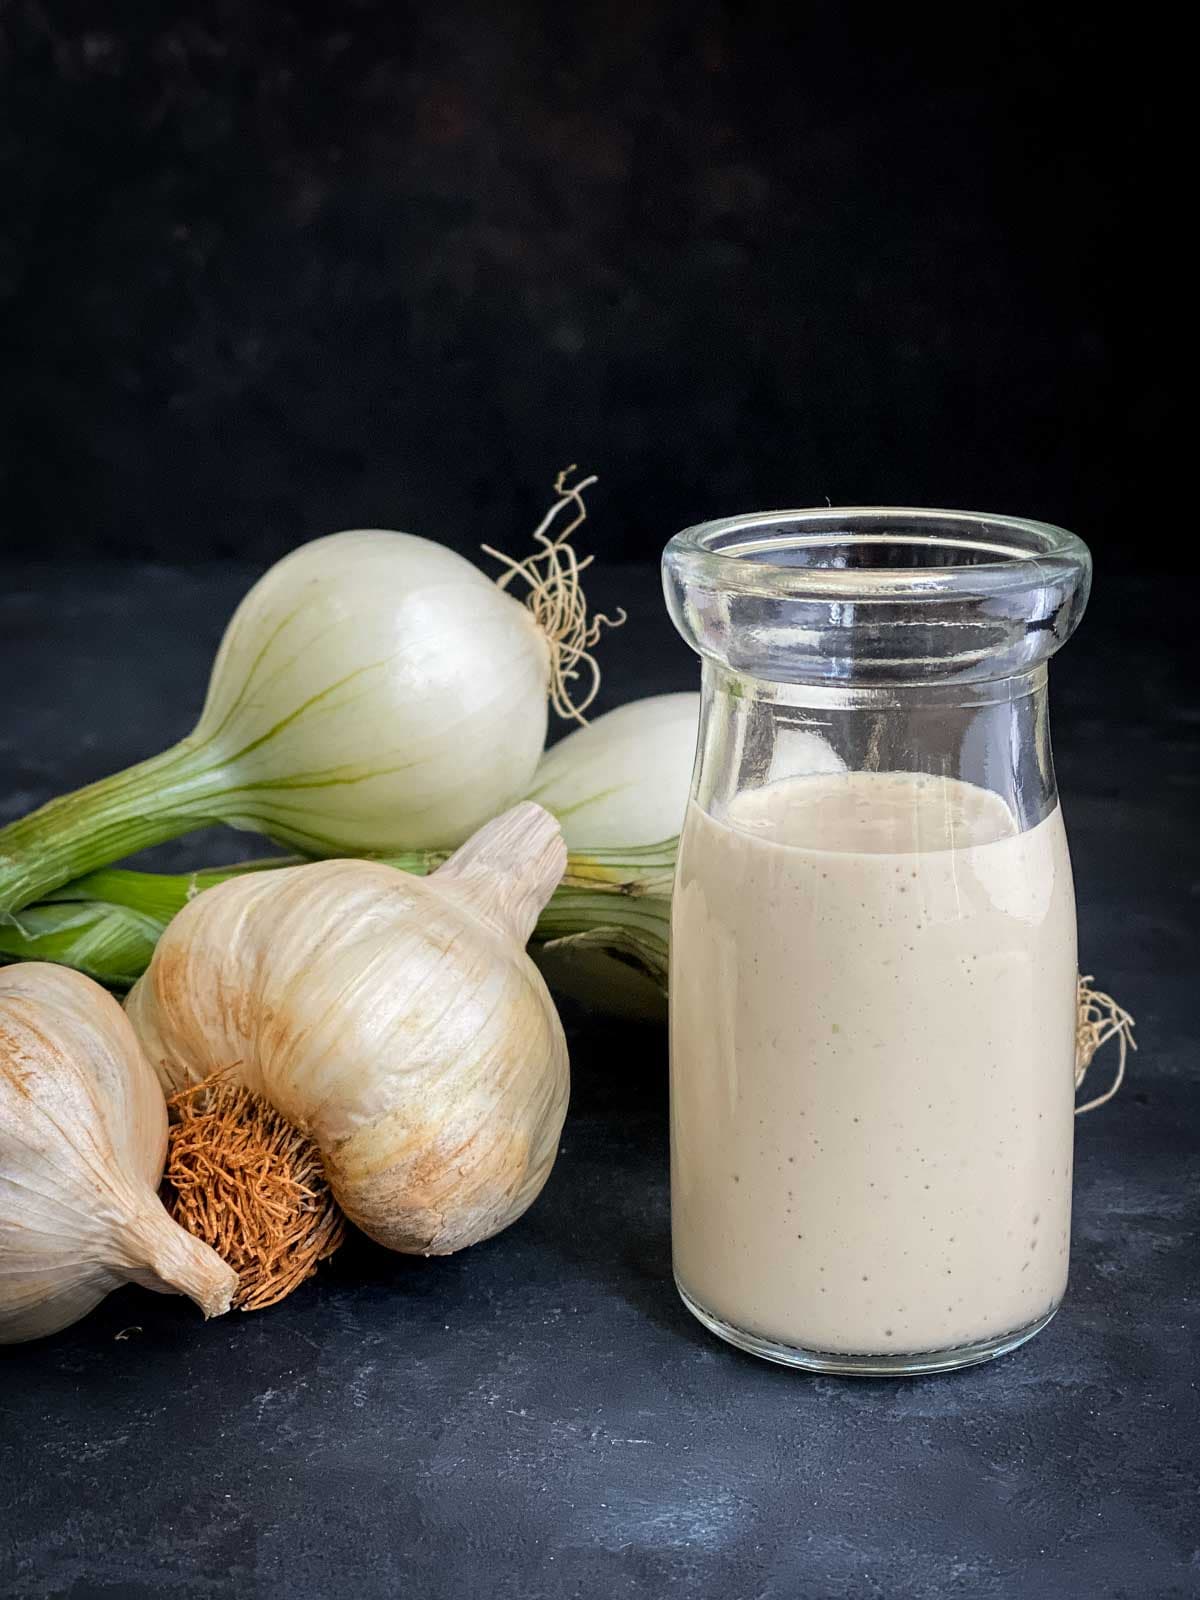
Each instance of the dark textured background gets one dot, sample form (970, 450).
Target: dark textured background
(268, 270)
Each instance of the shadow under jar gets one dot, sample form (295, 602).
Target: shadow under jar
(873, 959)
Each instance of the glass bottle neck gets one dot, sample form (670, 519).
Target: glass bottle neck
(993, 734)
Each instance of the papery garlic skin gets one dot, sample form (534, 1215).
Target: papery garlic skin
(395, 1020)
(83, 1139)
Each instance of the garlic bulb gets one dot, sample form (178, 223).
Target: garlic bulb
(395, 1020)
(83, 1136)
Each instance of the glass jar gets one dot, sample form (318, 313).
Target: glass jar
(873, 963)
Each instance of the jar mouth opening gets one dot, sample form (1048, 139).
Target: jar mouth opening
(876, 552)
(868, 595)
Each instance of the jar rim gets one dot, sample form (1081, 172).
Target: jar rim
(1002, 554)
(866, 595)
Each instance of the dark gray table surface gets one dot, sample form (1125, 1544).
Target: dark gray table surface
(539, 1417)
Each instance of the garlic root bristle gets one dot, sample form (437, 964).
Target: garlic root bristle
(1099, 1019)
(251, 1186)
(557, 600)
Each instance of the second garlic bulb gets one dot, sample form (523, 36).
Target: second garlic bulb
(83, 1134)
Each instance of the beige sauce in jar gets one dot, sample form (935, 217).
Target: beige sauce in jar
(872, 1049)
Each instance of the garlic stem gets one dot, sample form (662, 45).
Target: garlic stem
(158, 1254)
(508, 870)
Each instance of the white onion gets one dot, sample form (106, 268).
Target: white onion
(375, 691)
(624, 779)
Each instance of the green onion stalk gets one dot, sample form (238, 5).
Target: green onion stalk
(614, 902)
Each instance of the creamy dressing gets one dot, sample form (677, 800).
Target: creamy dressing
(872, 1049)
